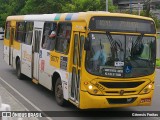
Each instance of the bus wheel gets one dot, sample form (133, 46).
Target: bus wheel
(18, 70)
(59, 93)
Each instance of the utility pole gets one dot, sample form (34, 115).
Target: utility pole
(107, 5)
(139, 9)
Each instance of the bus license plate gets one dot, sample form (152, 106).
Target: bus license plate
(145, 100)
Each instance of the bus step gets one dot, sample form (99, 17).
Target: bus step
(35, 81)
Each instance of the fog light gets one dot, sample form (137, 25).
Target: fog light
(90, 87)
(95, 91)
(129, 100)
(146, 90)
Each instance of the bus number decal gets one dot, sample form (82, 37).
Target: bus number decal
(63, 63)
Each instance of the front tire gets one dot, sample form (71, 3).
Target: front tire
(18, 69)
(59, 93)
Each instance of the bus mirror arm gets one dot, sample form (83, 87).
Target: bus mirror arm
(87, 44)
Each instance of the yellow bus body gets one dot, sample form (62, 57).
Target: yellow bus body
(86, 99)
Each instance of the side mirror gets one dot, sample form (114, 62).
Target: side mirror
(87, 44)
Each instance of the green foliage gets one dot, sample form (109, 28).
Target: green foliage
(18, 7)
(42, 6)
(88, 5)
(158, 62)
(10, 7)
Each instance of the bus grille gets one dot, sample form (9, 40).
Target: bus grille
(121, 100)
(121, 84)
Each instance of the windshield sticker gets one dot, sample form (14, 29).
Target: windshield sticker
(118, 63)
(63, 62)
(128, 69)
(93, 37)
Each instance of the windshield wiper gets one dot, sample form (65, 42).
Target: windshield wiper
(112, 42)
(114, 45)
(137, 43)
(138, 40)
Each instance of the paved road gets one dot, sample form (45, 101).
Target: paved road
(36, 97)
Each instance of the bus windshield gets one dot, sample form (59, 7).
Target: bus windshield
(116, 55)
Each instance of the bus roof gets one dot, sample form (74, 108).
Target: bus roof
(81, 16)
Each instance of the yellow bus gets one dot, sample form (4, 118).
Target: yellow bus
(92, 59)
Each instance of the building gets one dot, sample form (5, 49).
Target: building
(134, 4)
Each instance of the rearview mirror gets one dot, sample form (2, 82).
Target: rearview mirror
(87, 44)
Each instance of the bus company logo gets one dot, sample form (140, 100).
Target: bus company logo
(54, 58)
(121, 92)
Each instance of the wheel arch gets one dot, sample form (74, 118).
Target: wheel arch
(55, 76)
(17, 57)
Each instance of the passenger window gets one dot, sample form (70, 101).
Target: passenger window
(28, 33)
(20, 31)
(49, 36)
(7, 32)
(63, 37)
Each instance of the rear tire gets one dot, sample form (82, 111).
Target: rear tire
(59, 93)
(18, 69)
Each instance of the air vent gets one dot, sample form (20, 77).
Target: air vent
(121, 84)
(121, 100)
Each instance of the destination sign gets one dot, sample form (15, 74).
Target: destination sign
(112, 71)
(119, 24)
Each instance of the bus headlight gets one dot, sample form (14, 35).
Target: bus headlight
(92, 89)
(147, 89)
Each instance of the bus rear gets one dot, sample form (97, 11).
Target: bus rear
(119, 67)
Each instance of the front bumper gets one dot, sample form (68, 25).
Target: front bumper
(88, 101)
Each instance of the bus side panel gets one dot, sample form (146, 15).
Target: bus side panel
(45, 71)
(6, 51)
(26, 61)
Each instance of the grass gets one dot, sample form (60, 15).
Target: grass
(158, 62)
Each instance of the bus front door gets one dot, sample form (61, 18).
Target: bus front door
(76, 67)
(36, 48)
(12, 31)
(8, 45)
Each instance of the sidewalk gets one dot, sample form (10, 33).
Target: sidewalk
(15, 105)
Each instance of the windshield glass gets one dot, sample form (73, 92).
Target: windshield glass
(121, 55)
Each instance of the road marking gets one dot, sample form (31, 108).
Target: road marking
(38, 109)
(157, 118)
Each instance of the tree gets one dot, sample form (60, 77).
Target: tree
(17, 7)
(147, 7)
(88, 5)
(42, 6)
(10, 7)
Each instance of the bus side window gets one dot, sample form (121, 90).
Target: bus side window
(20, 31)
(63, 38)
(49, 35)
(29, 33)
(7, 32)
